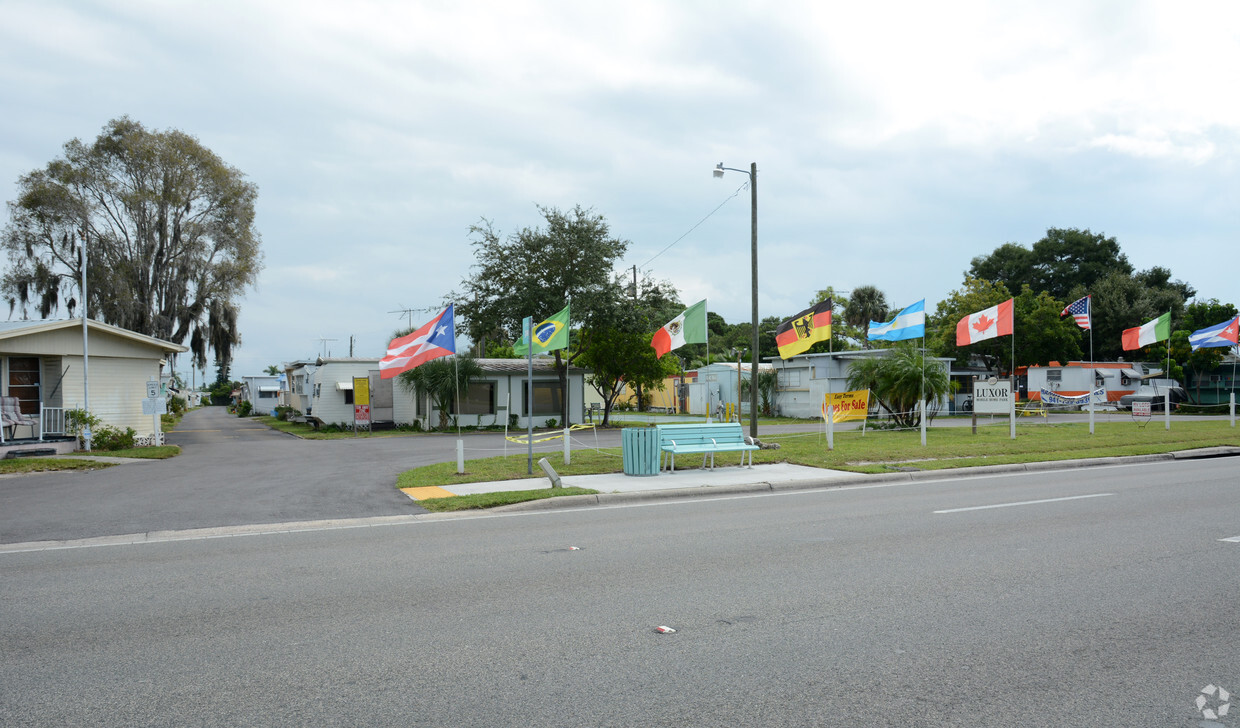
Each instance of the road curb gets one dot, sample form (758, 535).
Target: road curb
(706, 491)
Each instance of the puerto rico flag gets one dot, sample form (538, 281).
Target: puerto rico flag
(994, 321)
(435, 339)
(1218, 335)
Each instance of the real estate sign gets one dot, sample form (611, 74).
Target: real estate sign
(361, 401)
(847, 406)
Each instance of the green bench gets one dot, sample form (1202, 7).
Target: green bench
(705, 439)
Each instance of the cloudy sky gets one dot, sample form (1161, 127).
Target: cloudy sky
(894, 141)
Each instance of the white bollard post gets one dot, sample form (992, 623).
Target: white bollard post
(460, 457)
(1231, 407)
(568, 458)
(830, 427)
(1011, 414)
(922, 403)
(1167, 409)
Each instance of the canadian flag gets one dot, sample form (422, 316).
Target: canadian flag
(994, 321)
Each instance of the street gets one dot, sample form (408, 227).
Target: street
(1103, 596)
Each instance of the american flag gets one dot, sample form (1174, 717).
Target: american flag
(1080, 312)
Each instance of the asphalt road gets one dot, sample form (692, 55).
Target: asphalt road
(1099, 597)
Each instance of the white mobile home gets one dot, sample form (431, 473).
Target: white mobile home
(43, 367)
(261, 391)
(324, 389)
(804, 381)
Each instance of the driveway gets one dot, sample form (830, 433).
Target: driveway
(232, 471)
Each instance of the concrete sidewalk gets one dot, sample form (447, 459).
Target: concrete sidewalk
(777, 473)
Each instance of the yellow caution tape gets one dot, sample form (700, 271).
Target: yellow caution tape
(522, 439)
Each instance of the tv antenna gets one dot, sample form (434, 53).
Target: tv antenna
(323, 341)
(406, 312)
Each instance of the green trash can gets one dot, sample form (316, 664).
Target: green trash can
(640, 446)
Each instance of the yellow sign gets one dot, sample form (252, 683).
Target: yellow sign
(361, 390)
(847, 406)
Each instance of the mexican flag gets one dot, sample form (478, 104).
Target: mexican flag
(1157, 330)
(687, 328)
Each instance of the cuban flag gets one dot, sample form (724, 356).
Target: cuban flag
(908, 324)
(1219, 335)
(435, 339)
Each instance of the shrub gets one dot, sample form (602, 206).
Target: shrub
(244, 409)
(111, 438)
(551, 423)
(286, 413)
(77, 419)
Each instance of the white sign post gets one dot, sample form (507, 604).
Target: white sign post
(154, 405)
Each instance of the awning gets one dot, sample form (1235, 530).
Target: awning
(1131, 373)
(269, 389)
(345, 386)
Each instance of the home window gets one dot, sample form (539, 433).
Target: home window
(1054, 375)
(790, 378)
(24, 382)
(548, 399)
(479, 399)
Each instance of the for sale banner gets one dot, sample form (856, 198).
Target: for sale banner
(847, 406)
(361, 390)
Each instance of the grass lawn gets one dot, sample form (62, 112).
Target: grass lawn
(35, 465)
(160, 452)
(82, 461)
(307, 432)
(491, 500)
(885, 451)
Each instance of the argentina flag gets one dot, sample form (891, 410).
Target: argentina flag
(908, 324)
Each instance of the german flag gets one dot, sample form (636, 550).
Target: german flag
(801, 331)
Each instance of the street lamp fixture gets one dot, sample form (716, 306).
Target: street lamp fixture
(753, 238)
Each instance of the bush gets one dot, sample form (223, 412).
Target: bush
(551, 423)
(177, 405)
(244, 409)
(77, 419)
(286, 413)
(111, 438)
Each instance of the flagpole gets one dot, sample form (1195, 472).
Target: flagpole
(1093, 384)
(456, 391)
(738, 394)
(1012, 415)
(528, 334)
(922, 400)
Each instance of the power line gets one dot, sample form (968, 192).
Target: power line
(698, 224)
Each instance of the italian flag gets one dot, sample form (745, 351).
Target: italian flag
(687, 328)
(1157, 330)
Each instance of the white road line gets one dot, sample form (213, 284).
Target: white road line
(1024, 503)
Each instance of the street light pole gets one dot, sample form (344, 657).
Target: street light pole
(753, 243)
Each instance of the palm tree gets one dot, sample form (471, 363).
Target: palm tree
(899, 380)
(441, 379)
(768, 383)
(866, 304)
